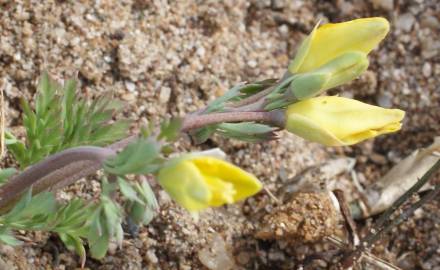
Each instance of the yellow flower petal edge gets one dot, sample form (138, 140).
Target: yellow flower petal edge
(333, 39)
(335, 121)
(199, 182)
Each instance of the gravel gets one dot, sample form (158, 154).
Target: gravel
(168, 58)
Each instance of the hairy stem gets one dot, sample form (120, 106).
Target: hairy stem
(55, 171)
(275, 118)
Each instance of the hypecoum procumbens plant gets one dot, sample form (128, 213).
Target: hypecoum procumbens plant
(69, 135)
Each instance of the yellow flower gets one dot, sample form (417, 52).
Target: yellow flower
(199, 182)
(331, 40)
(334, 121)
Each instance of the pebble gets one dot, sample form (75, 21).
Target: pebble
(430, 21)
(385, 100)
(151, 257)
(131, 87)
(387, 5)
(405, 22)
(427, 70)
(164, 96)
(128, 97)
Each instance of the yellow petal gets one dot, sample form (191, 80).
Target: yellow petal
(198, 182)
(336, 120)
(333, 39)
(185, 184)
(222, 192)
(307, 129)
(244, 183)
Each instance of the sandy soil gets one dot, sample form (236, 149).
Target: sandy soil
(168, 58)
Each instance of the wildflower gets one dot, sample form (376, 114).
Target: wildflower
(334, 39)
(334, 121)
(199, 182)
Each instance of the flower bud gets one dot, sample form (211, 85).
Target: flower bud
(335, 121)
(331, 40)
(199, 182)
(338, 71)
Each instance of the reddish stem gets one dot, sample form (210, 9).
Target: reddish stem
(275, 118)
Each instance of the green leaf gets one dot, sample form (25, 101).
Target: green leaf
(19, 207)
(247, 131)
(143, 212)
(64, 119)
(128, 191)
(139, 157)
(99, 247)
(147, 194)
(7, 238)
(170, 130)
(218, 104)
(203, 134)
(74, 243)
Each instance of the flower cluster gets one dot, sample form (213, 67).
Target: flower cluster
(331, 55)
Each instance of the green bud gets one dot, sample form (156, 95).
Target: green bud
(345, 68)
(307, 85)
(340, 70)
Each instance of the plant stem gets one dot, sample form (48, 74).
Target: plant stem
(275, 118)
(68, 166)
(55, 171)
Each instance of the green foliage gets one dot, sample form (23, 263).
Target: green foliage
(63, 119)
(105, 223)
(140, 201)
(170, 129)
(139, 157)
(246, 131)
(251, 132)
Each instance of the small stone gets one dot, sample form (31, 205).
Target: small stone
(384, 100)
(128, 96)
(151, 257)
(201, 51)
(405, 22)
(165, 93)
(378, 159)
(278, 4)
(427, 70)
(216, 256)
(112, 247)
(284, 29)
(131, 87)
(430, 22)
(387, 5)
(252, 63)
(277, 256)
(243, 258)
